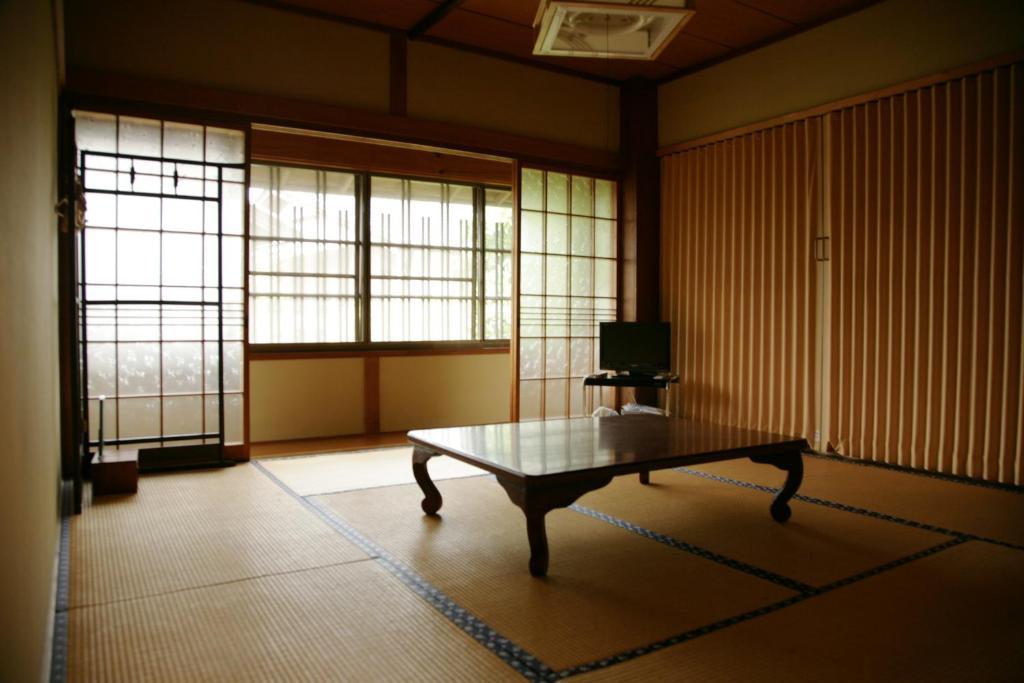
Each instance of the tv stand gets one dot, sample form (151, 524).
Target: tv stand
(638, 381)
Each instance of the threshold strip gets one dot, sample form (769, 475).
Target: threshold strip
(515, 656)
(850, 508)
(627, 655)
(758, 572)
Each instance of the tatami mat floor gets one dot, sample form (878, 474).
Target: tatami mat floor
(324, 568)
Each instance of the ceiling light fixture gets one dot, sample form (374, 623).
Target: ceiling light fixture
(618, 29)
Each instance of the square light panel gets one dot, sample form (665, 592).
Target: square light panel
(609, 29)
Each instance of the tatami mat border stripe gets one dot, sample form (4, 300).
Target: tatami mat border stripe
(627, 655)
(59, 651)
(941, 476)
(704, 553)
(333, 451)
(515, 656)
(850, 508)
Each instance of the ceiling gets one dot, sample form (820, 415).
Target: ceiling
(504, 28)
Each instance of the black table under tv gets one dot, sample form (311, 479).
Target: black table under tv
(605, 379)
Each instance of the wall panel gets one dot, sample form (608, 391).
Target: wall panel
(927, 248)
(738, 227)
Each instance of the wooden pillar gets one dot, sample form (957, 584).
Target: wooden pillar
(640, 196)
(639, 219)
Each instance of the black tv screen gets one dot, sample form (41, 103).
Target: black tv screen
(640, 348)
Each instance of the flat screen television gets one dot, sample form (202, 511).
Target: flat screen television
(637, 348)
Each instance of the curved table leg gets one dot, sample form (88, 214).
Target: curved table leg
(538, 537)
(793, 465)
(431, 496)
(536, 501)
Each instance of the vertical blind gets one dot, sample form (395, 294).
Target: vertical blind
(905, 346)
(737, 230)
(927, 282)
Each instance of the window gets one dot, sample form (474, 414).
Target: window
(342, 257)
(567, 287)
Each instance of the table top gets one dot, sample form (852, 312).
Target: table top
(619, 444)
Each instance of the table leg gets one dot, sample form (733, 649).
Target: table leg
(431, 496)
(793, 465)
(645, 477)
(538, 537)
(536, 501)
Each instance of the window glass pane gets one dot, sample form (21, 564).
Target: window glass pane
(302, 256)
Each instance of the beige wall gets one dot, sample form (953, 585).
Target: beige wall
(460, 87)
(30, 457)
(886, 44)
(305, 398)
(443, 391)
(232, 45)
(245, 47)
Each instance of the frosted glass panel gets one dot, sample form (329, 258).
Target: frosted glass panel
(532, 189)
(139, 136)
(582, 236)
(138, 369)
(183, 367)
(555, 359)
(102, 361)
(557, 235)
(558, 193)
(604, 239)
(556, 398)
(604, 199)
(138, 417)
(530, 396)
(183, 415)
(583, 359)
(225, 146)
(95, 132)
(532, 236)
(582, 196)
(556, 282)
(530, 357)
(183, 141)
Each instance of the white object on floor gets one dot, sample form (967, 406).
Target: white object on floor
(636, 408)
(604, 412)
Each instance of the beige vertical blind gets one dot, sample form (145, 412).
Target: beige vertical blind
(925, 211)
(739, 218)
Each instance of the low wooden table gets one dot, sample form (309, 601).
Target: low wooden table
(549, 464)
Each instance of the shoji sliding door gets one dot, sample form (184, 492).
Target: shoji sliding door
(926, 296)
(567, 286)
(738, 273)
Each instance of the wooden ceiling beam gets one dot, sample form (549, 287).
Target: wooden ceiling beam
(432, 17)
